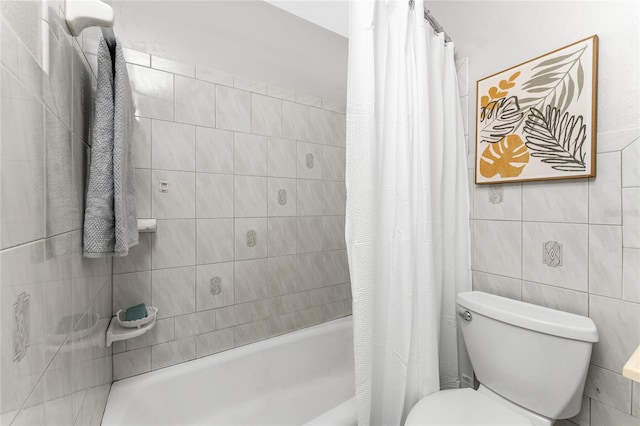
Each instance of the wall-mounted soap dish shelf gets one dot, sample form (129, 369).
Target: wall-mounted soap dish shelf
(117, 331)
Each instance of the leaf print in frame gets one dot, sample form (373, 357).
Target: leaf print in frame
(549, 105)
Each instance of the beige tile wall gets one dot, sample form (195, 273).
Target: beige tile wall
(256, 198)
(64, 376)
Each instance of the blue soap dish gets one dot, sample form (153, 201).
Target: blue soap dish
(151, 315)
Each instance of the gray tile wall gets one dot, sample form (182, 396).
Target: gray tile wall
(597, 224)
(254, 208)
(65, 374)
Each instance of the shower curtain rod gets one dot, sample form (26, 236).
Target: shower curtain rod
(435, 25)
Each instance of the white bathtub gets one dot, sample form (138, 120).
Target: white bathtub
(298, 378)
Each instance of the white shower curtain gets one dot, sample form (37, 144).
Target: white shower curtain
(407, 223)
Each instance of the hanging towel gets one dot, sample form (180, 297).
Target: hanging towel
(110, 214)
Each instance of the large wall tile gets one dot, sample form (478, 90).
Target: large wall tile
(282, 195)
(266, 115)
(173, 146)
(250, 196)
(605, 260)
(572, 272)
(138, 259)
(310, 234)
(295, 121)
(336, 267)
(309, 161)
(339, 130)
(310, 270)
(321, 126)
(282, 236)
(556, 201)
(195, 101)
(152, 92)
(575, 302)
(174, 244)
(282, 275)
(61, 211)
(617, 323)
(230, 316)
(250, 154)
(309, 195)
(334, 198)
(333, 233)
(249, 333)
(214, 196)
(214, 241)
(251, 280)
(282, 161)
(207, 277)
(179, 200)
(173, 291)
(497, 246)
(214, 150)
(333, 163)
(251, 238)
(604, 191)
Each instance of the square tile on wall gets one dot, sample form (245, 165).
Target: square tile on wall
(173, 194)
(173, 146)
(282, 158)
(309, 197)
(605, 260)
(572, 271)
(251, 278)
(152, 92)
(251, 240)
(295, 121)
(282, 236)
(233, 109)
(195, 101)
(498, 202)
(556, 201)
(214, 196)
(250, 196)
(215, 241)
(321, 126)
(310, 234)
(604, 191)
(497, 247)
(173, 291)
(215, 285)
(214, 150)
(497, 284)
(575, 302)
(250, 154)
(309, 161)
(174, 244)
(334, 159)
(282, 195)
(266, 115)
(283, 275)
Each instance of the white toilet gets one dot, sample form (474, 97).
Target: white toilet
(531, 363)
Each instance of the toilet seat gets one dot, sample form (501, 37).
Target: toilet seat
(465, 407)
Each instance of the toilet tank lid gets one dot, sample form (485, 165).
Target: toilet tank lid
(532, 317)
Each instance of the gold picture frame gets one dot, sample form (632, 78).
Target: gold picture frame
(537, 120)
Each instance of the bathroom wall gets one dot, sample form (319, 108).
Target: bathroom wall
(56, 370)
(246, 181)
(597, 221)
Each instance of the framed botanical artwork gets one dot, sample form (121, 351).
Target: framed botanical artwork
(537, 120)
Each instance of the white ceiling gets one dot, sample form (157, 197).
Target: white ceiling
(253, 39)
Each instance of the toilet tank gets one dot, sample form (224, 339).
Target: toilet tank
(533, 356)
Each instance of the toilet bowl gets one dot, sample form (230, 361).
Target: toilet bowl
(531, 363)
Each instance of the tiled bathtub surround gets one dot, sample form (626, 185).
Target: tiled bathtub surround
(65, 374)
(250, 241)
